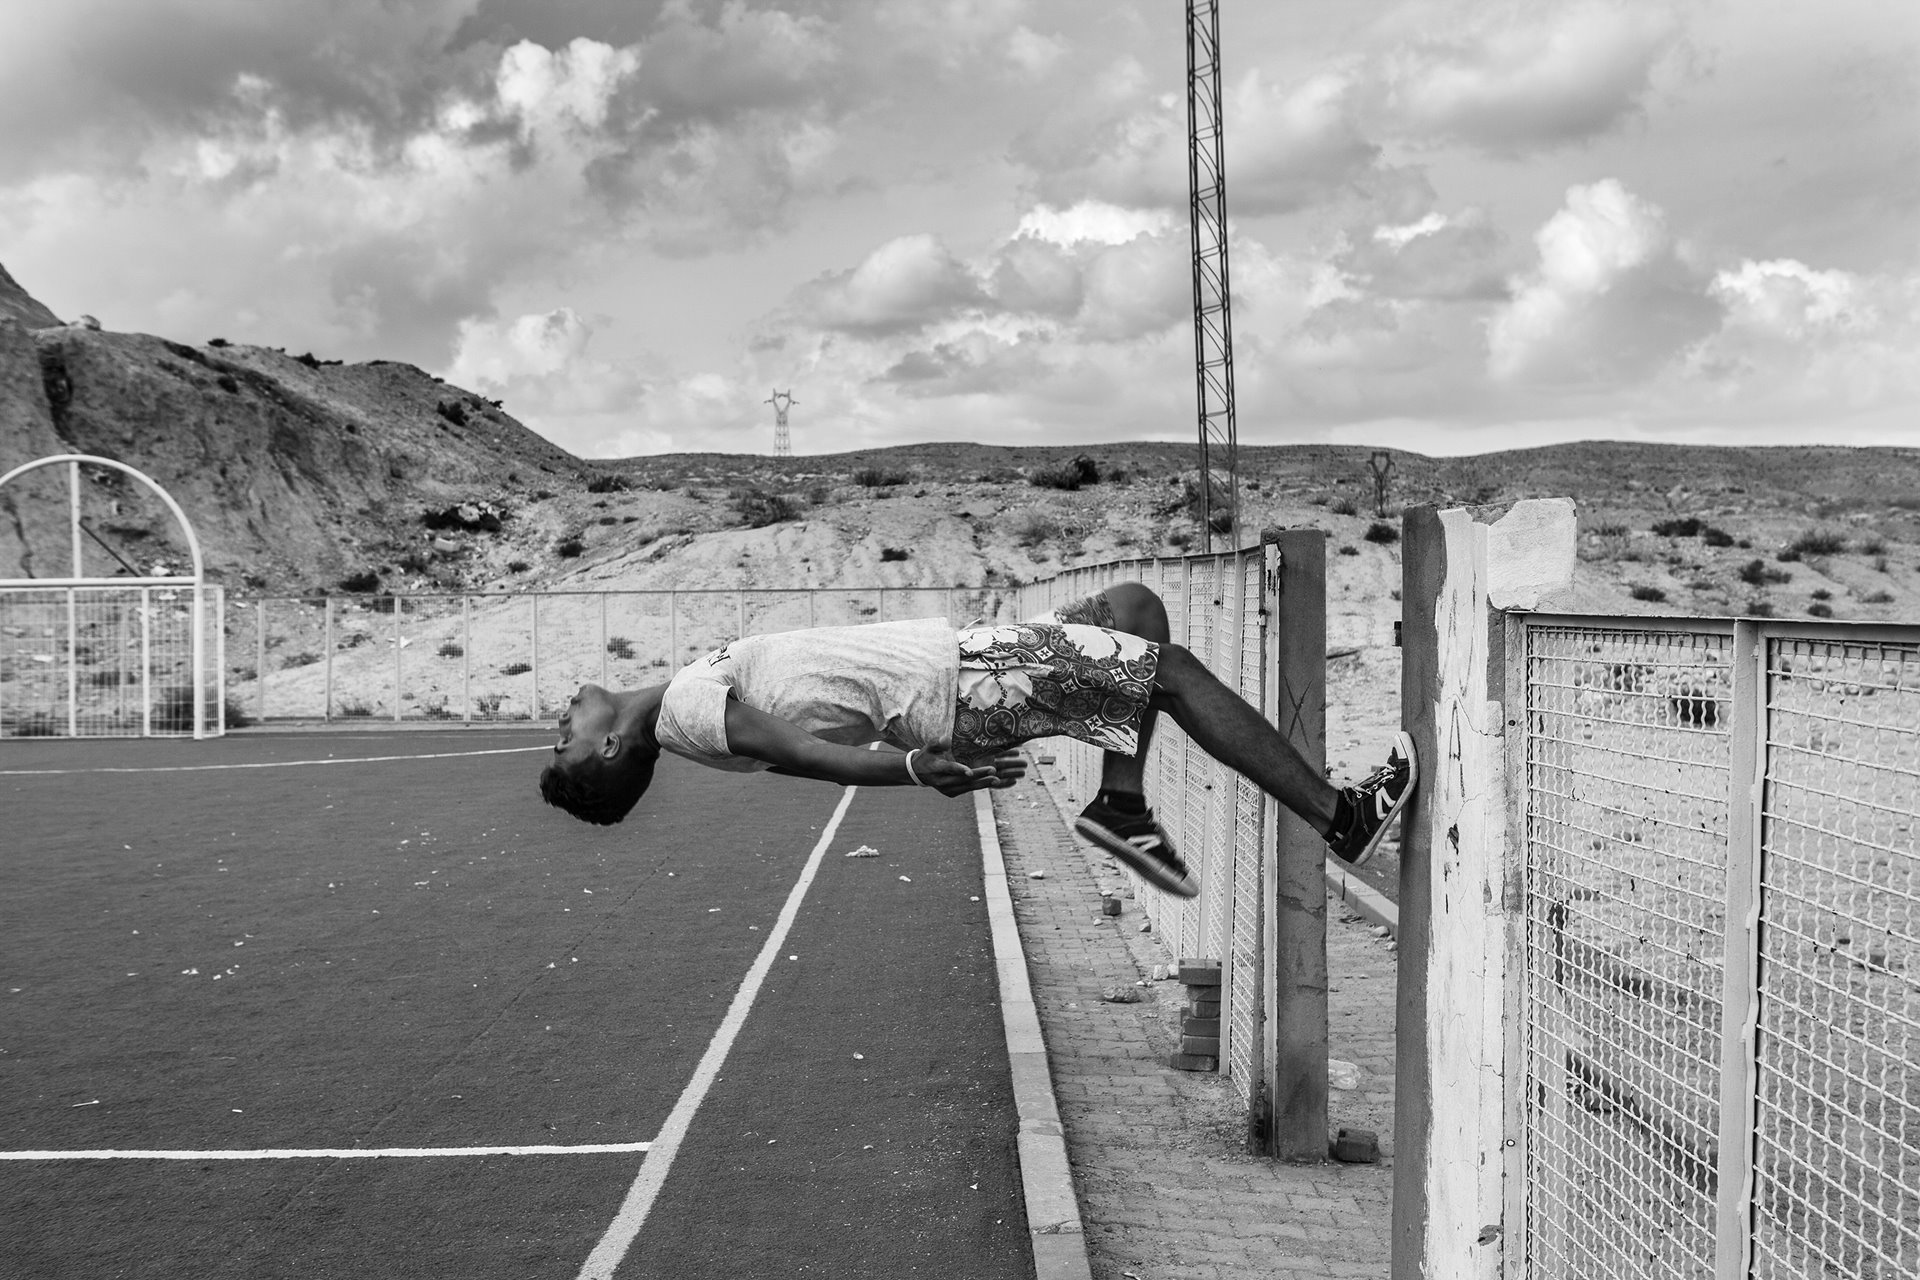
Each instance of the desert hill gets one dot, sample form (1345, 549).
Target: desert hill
(303, 475)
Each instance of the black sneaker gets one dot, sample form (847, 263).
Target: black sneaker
(1137, 840)
(1369, 806)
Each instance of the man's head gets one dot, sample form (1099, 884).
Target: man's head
(604, 760)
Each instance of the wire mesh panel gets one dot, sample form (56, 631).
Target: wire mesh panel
(842, 608)
(357, 667)
(1630, 951)
(1627, 764)
(1837, 1115)
(570, 649)
(499, 657)
(768, 612)
(1247, 834)
(639, 638)
(1168, 763)
(276, 657)
(1193, 829)
(432, 659)
(900, 603)
(106, 661)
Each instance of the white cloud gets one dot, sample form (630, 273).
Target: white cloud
(1793, 300)
(1796, 339)
(904, 284)
(542, 363)
(1399, 237)
(1093, 220)
(1289, 147)
(1609, 298)
(1034, 53)
(493, 355)
(1137, 289)
(1518, 77)
(549, 88)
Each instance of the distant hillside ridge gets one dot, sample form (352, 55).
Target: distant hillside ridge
(18, 305)
(305, 475)
(288, 465)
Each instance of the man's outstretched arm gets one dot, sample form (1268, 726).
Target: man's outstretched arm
(791, 749)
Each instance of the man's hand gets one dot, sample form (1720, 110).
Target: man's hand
(951, 778)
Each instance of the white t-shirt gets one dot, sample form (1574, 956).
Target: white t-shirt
(887, 681)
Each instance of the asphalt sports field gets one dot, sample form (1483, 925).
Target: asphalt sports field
(324, 1005)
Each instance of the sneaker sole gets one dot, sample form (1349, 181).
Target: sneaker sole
(1153, 871)
(1403, 741)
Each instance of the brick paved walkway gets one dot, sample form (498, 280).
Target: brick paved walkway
(1166, 1190)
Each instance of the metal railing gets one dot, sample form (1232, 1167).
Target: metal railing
(497, 656)
(1719, 976)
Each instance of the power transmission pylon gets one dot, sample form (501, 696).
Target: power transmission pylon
(1212, 314)
(781, 402)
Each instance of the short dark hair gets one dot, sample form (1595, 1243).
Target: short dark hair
(598, 791)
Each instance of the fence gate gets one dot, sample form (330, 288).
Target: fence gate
(134, 655)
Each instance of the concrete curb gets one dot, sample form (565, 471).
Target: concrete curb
(1362, 897)
(1053, 1210)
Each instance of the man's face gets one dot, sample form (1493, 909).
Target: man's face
(584, 724)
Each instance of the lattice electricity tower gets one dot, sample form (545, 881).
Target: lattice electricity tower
(1212, 316)
(781, 402)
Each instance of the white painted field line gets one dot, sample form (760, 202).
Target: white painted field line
(613, 1246)
(267, 764)
(337, 1153)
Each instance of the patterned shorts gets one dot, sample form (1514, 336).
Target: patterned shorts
(1067, 673)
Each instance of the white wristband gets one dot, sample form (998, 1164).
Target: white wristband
(910, 773)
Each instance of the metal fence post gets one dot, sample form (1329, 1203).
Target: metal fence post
(220, 658)
(73, 643)
(260, 656)
(533, 664)
(327, 711)
(466, 655)
(146, 662)
(1739, 1002)
(398, 638)
(603, 639)
(673, 630)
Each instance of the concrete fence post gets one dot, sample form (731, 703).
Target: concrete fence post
(1458, 877)
(1294, 1040)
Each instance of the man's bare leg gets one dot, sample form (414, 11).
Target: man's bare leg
(1139, 612)
(1227, 727)
(1222, 723)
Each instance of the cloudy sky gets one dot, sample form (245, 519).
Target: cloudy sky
(1456, 225)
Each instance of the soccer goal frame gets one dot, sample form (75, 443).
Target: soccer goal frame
(132, 655)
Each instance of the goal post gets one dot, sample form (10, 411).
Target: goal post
(86, 654)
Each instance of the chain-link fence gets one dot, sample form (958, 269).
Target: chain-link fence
(497, 656)
(104, 662)
(1720, 974)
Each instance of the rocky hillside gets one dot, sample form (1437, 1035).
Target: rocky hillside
(306, 475)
